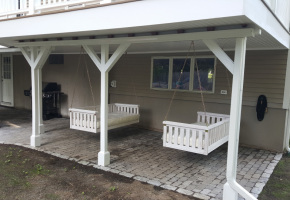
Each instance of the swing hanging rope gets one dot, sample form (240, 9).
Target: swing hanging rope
(87, 72)
(180, 76)
(74, 88)
(200, 88)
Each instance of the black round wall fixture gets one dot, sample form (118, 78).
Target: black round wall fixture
(261, 107)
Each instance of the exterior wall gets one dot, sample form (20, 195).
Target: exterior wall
(22, 81)
(264, 74)
(67, 75)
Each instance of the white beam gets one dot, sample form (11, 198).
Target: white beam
(105, 49)
(9, 50)
(220, 54)
(209, 35)
(36, 58)
(26, 55)
(95, 58)
(42, 56)
(232, 188)
(116, 56)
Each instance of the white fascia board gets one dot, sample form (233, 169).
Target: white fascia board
(259, 14)
(121, 16)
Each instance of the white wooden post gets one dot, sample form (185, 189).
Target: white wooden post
(36, 58)
(237, 68)
(232, 188)
(105, 64)
(104, 154)
(41, 126)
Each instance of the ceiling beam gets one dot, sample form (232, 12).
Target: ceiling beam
(209, 35)
(9, 50)
(220, 54)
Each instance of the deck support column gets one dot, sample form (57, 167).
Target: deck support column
(237, 68)
(232, 188)
(36, 57)
(105, 64)
(104, 154)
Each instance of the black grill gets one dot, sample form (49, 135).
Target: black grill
(51, 96)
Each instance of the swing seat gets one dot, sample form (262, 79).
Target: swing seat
(88, 118)
(199, 137)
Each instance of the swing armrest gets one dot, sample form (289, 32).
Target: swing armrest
(83, 110)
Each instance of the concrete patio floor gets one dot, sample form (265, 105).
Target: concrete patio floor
(138, 153)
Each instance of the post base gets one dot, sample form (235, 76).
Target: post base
(229, 193)
(35, 140)
(103, 158)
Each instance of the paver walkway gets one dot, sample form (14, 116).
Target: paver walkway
(138, 153)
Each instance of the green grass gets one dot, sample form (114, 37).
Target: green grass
(278, 187)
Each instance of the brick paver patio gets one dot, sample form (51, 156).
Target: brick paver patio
(139, 154)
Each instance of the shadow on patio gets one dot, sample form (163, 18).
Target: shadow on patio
(138, 153)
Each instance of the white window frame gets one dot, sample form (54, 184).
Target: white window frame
(192, 63)
(169, 74)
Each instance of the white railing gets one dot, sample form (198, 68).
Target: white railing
(16, 8)
(280, 9)
(13, 8)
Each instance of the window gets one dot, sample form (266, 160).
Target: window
(6, 68)
(181, 81)
(184, 74)
(204, 68)
(160, 73)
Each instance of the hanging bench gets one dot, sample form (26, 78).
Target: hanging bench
(88, 118)
(198, 137)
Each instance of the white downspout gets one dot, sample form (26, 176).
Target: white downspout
(232, 188)
(286, 104)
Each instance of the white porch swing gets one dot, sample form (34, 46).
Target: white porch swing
(88, 118)
(209, 132)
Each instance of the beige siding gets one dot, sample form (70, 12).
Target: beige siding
(22, 81)
(67, 75)
(264, 74)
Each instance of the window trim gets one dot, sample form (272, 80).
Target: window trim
(192, 65)
(151, 80)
